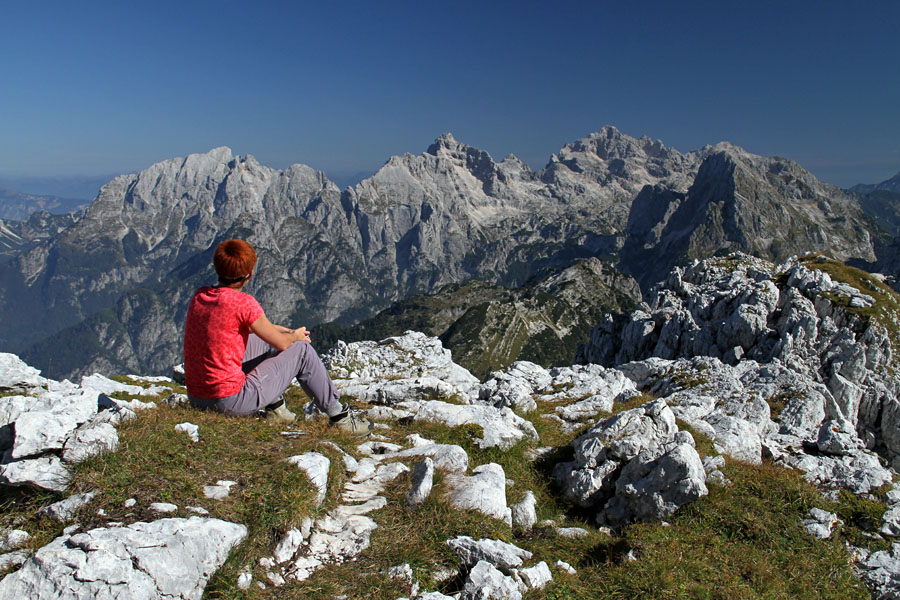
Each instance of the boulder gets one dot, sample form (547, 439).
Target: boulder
(484, 491)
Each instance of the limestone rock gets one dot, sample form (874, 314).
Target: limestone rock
(169, 558)
(502, 555)
(316, 466)
(64, 510)
(46, 472)
(421, 482)
(449, 457)
(880, 571)
(534, 578)
(524, 514)
(16, 377)
(821, 523)
(88, 440)
(484, 491)
(190, 429)
(364, 490)
(501, 427)
(400, 368)
(651, 488)
(485, 582)
(220, 490)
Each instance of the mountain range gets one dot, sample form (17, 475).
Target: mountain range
(114, 282)
(18, 205)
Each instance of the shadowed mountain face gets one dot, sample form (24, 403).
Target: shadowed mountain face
(124, 270)
(487, 326)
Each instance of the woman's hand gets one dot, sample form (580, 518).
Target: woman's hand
(301, 334)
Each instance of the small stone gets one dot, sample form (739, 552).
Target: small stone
(484, 491)
(288, 546)
(536, 577)
(524, 513)
(13, 539)
(189, 428)
(219, 491)
(422, 478)
(65, 509)
(486, 582)
(163, 507)
(572, 532)
(244, 580)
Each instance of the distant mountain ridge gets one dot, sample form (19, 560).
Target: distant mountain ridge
(421, 222)
(17, 206)
(888, 185)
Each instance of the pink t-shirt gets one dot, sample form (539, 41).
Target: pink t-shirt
(215, 340)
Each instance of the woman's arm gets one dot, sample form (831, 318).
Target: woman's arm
(277, 336)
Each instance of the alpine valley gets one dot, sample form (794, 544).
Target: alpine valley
(535, 258)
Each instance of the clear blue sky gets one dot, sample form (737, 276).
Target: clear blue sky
(109, 86)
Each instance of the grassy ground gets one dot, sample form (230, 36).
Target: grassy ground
(744, 540)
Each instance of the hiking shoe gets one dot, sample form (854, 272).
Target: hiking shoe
(279, 412)
(352, 421)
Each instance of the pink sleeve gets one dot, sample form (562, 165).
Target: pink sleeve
(251, 310)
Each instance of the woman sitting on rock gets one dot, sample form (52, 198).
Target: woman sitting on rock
(237, 362)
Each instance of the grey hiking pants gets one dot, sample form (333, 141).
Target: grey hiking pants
(270, 372)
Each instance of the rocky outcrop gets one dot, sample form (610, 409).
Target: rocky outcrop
(814, 347)
(635, 466)
(46, 425)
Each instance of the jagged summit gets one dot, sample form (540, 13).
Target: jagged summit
(445, 141)
(609, 143)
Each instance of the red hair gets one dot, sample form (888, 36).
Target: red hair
(233, 260)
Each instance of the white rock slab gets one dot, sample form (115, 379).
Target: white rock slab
(16, 377)
(64, 510)
(220, 490)
(169, 558)
(524, 513)
(501, 426)
(46, 472)
(533, 578)
(502, 555)
(89, 440)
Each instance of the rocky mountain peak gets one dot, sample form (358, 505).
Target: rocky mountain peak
(610, 144)
(446, 143)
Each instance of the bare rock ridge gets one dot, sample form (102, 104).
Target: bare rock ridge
(118, 278)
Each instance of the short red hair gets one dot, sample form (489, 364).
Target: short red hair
(233, 260)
